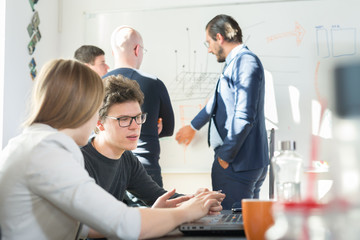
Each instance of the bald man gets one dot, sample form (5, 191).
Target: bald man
(128, 50)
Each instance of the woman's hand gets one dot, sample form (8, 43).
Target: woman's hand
(202, 204)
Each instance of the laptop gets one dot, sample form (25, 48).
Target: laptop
(227, 223)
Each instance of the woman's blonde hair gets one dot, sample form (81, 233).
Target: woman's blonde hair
(66, 94)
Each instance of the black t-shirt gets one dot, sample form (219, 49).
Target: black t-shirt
(118, 175)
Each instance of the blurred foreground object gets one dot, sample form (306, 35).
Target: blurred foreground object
(287, 167)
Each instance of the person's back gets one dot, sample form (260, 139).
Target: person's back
(44, 188)
(17, 175)
(127, 46)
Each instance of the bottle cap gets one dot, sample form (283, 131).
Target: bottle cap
(288, 145)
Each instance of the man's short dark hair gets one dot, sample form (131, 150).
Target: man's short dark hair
(88, 53)
(226, 26)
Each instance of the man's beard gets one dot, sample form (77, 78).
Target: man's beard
(220, 55)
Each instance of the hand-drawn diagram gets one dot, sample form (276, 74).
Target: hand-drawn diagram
(299, 33)
(192, 85)
(342, 41)
(322, 42)
(190, 89)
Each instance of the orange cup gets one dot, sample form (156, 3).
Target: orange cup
(257, 217)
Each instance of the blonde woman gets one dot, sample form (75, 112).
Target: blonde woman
(45, 192)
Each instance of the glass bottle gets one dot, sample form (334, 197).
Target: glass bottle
(287, 168)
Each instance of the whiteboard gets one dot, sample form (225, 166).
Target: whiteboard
(297, 42)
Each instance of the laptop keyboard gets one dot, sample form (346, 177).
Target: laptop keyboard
(223, 224)
(222, 218)
(231, 218)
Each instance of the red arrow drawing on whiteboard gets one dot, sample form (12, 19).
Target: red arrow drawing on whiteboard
(299, 33)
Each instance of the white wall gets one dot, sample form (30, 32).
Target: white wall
(2, 63)
(16, 75)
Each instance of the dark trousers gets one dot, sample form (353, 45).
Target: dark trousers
(237, 185)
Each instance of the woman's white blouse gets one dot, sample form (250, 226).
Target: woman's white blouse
(45, 191)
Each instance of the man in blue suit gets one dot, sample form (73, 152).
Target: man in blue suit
(235, 114)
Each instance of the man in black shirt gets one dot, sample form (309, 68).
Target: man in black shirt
(108, 157)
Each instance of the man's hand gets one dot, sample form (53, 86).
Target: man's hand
(160, 125)
(223, 163)
(210, 203)
(201, 190)
(213, 210)
(185, 135)
(164, 202)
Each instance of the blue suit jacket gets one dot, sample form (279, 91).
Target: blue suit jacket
(238, 111)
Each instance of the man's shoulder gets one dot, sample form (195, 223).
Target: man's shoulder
(246, 52)
(86, 147)
(132, 73)
(247, 56)
(129, 156)
(146, 75)
(88, 154)
(117, 71)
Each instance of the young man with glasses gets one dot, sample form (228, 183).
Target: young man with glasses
(128, 50)
(108, 157)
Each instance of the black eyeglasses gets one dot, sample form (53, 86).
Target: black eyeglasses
(126, 121)
(207, 45)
